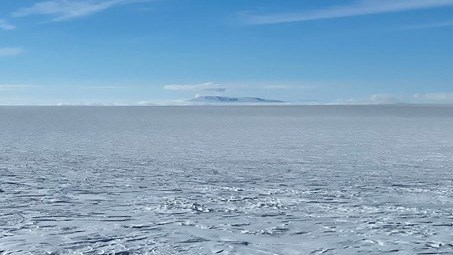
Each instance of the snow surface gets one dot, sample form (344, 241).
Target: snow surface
(226, 180)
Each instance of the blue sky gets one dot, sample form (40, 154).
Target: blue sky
(166, 51)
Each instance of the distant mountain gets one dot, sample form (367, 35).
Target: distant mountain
(233, 100)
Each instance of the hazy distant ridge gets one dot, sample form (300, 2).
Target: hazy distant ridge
(233, 100)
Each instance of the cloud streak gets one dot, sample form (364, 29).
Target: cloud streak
(359, 8)
(431, 25)
(13, 51)
(438, 97)
(62, 10)
(4, 25)
(208, 86)
(9, 87)
(375, 99)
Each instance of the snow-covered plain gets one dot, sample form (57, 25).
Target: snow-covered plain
(226, 180)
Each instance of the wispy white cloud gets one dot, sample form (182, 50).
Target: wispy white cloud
(285, 86)
(277, 86)
(105, 87)
(418, 98)
(431, 25)
(12, 51)
(384, 99)
(437, 97)
(8, 87)
(375, 99)
(4, 87)
(359, 8)
(62, 10)
(271, 85)
(208, 86)
(5, 25)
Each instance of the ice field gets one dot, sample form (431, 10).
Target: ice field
(226, 180)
